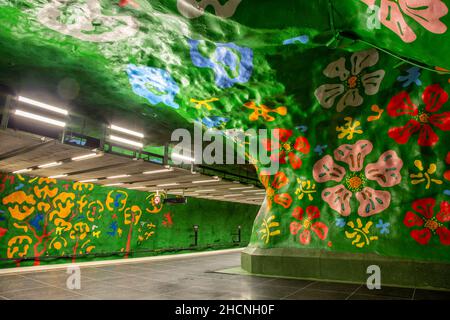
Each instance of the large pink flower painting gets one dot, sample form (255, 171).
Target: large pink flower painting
(386, 172)
(425, 12)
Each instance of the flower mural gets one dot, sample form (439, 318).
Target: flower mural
(423, 119)
(231, 63)
(352, 82)
(425, 12)
(283, 148)
(306, 223)
(386, 172)
(279, 181)
(425, 223)
(360, 233)
(85, 21)
(154, 84)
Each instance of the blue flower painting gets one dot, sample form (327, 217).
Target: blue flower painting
(231, 64)
(214, 121)
(154, 84)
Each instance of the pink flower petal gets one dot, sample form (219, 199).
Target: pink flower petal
(338, 198)
(386, 171)
(326, 170)
(426, 12)
(354, 154)
(392, 18)
(372, 201)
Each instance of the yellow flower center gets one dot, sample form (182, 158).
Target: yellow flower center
(352, 82)
(423, 118)
(306, 223)
(431, 224)
(354, 182)
(287, 147)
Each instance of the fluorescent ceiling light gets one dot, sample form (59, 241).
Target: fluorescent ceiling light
(126, 141)
(58, 176)
(254, 190)
(127, 131)
(260, 192)
(113, 184)
(49, 165)
(258, 198)
(118, 176)
(207, 196)
(42, 105)
(233, 195)
(206, 181)
(240, 188)
(181, 157)
(142, 187)
(208, 190)
(33, 116)
(87, 156)
(168, 184)
(23, 170)
(158, 171)
(88, 180)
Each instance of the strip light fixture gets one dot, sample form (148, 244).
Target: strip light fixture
(87, 156)
(158, 171)
(88, 180)
(133, 188)
(113, 184)
(207, 190)
(181, 157)
(127, 131)
(233, 195)
(42, 105)
(58, 176)
(36, 117)
(49, 165)
(168, 184)
(254, 190)
(126, 141)
(241, 188)
(119, 176)
(216, 179)
(22, 170)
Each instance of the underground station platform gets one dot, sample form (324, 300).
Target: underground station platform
(213, 155)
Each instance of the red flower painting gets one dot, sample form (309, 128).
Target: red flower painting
(283, 148)
(424, 120)
(279, 180)
(427, 223)
(306, 224)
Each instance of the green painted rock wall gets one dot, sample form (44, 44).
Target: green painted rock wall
(357, 91)
(49, 221)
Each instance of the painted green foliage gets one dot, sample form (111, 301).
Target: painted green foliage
(361, 133)
(41, 217)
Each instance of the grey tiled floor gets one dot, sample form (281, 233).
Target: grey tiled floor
(188, 278)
